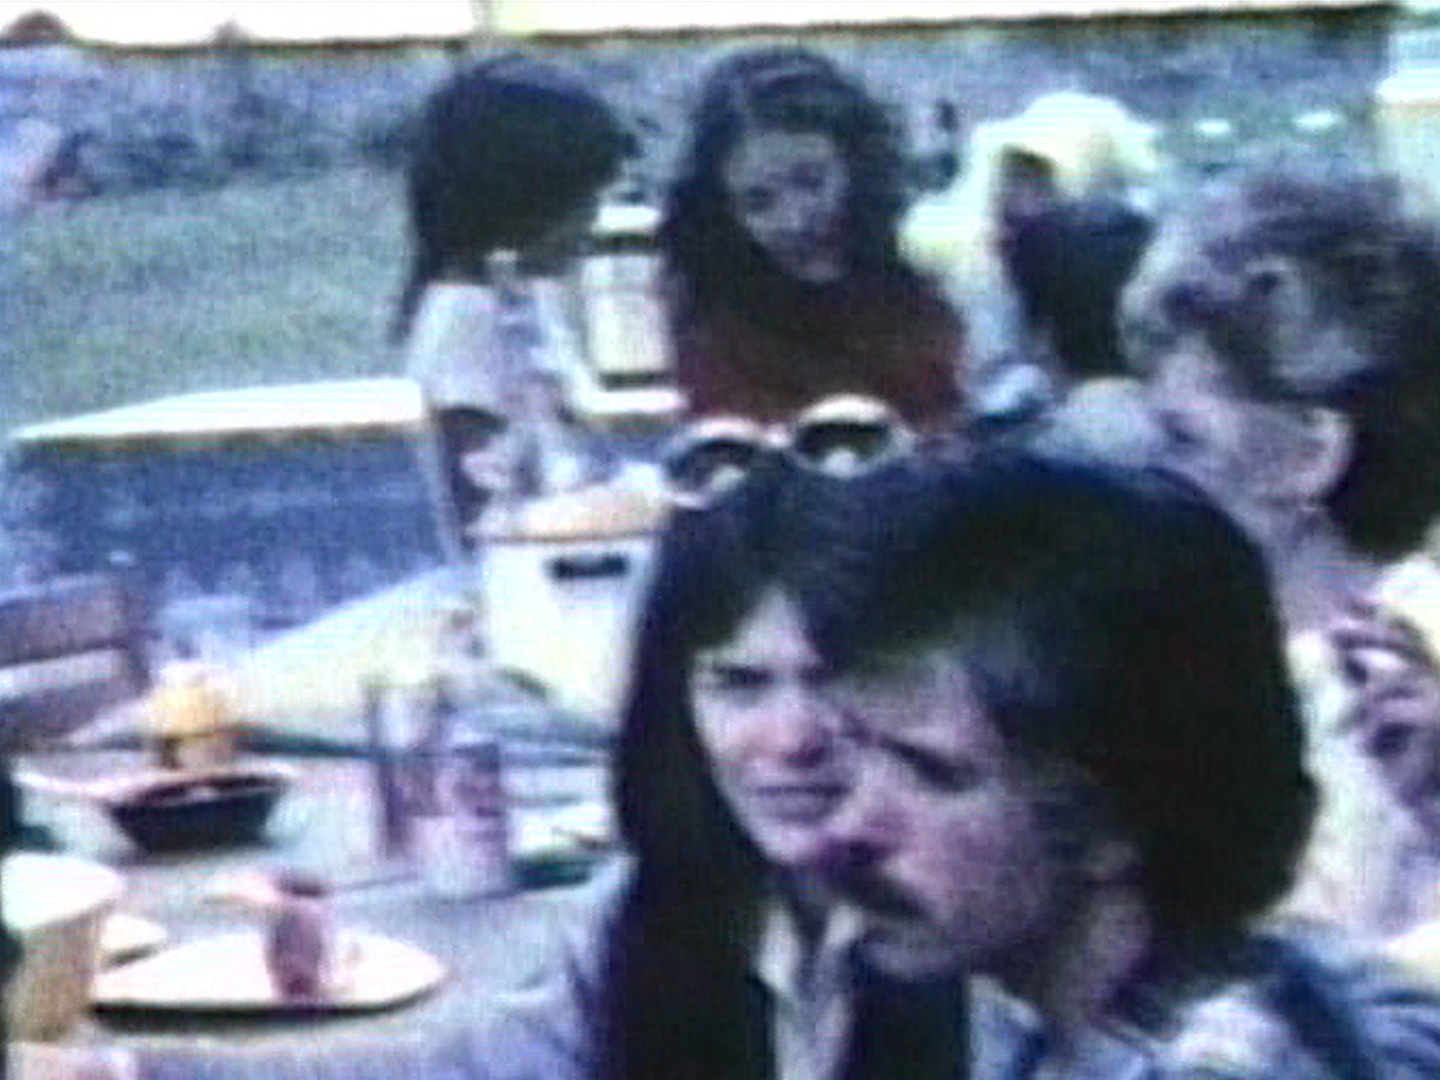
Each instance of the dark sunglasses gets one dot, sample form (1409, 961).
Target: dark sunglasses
(841, 437)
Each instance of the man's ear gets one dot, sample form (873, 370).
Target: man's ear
(1326, 446)
(1110, 860)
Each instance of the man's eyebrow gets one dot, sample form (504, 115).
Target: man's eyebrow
(886, 667)
(931, 763)
(903, 749)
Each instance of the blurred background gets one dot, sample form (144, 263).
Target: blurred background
(224, 208)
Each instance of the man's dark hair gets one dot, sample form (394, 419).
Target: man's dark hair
(1119, 626)
(501, 153)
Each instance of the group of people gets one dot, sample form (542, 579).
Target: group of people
(782, 279)
(950, 755)
(1016, 701)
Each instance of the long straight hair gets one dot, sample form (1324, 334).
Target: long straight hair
(677, 1001)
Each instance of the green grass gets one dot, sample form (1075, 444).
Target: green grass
(130, 298)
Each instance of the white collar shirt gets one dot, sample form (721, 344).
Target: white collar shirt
(811, 991)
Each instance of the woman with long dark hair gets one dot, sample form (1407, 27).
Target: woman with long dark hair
(727, 770)
(783, 275)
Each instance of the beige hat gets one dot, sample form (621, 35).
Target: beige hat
(1084, 137)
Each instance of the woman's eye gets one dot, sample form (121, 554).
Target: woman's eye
(756, 202)
(734, 679)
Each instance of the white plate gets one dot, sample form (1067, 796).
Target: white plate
(227, 974)
(125, 937)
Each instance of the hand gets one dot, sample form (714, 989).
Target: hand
(1395, 716)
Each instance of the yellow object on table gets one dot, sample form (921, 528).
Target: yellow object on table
(190, 715)
(189, 701)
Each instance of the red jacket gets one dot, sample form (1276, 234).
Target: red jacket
(894, 339)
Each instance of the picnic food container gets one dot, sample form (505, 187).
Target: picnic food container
(171, 810)
(187, 813)
(562, 582)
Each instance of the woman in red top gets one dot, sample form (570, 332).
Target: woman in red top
(784, 280)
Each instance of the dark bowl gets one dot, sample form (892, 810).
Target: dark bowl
(189, 814)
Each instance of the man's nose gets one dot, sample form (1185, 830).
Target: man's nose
(865, 828)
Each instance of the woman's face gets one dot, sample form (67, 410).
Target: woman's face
(1240, 451)
(939, 839)
(1264, 458)
(770, 733)
(789, 191)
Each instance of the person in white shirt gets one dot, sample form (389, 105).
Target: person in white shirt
(503, 182)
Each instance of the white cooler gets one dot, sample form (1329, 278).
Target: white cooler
(563, 583)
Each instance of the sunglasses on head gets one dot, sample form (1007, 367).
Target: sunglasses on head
(841, 437)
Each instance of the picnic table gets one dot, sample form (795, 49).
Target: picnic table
(326, 825)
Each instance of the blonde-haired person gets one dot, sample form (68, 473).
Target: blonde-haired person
(1063, 147)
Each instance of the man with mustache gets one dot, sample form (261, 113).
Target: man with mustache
(1078, 772)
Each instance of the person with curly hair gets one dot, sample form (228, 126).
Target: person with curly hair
(1285, 325)
(783, 277)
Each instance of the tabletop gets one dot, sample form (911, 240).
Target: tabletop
(327, 825)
